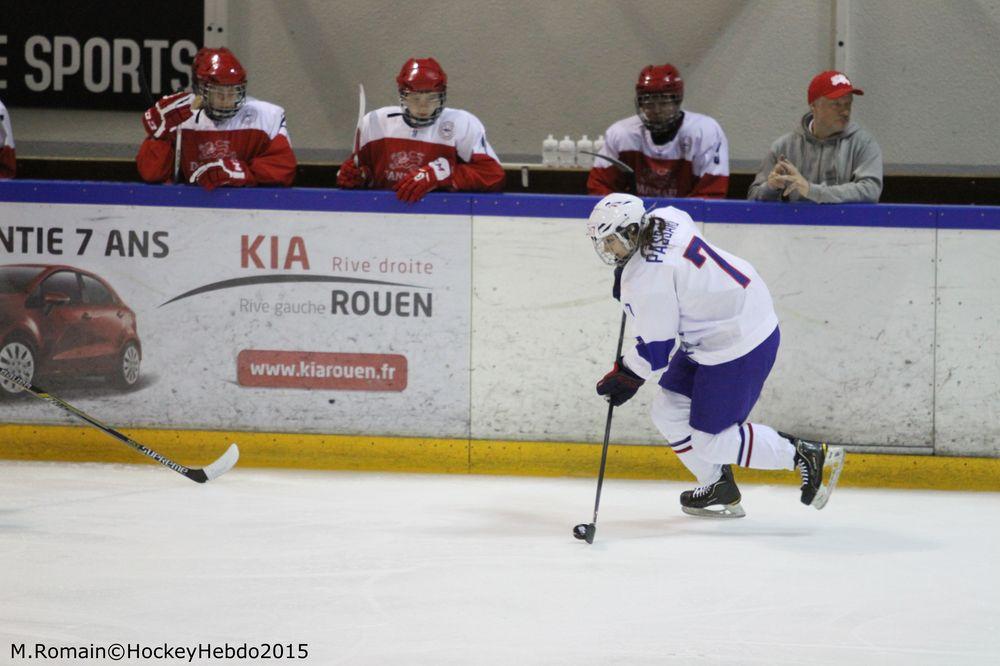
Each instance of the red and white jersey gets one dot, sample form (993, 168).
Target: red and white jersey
(8, 158)
(695, 163)
(391, 150)
(682, 287)
(257, 135)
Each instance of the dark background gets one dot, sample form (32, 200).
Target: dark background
(137, 20)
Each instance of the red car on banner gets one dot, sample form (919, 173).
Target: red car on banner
(60, 320)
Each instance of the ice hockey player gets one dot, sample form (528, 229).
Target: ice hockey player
(227, 138)
(674, 153)
(8, 157)
(422, 145)
(674, 285)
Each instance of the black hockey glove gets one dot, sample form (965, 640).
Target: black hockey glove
(619, 385)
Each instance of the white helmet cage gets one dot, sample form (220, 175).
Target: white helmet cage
(622, 216)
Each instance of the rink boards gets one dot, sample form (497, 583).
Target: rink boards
(465, 333)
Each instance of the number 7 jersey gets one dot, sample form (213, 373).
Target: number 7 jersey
(680, 287)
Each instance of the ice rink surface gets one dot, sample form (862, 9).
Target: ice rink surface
(419, 569)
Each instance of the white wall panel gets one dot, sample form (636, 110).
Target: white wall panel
(544, 331)
(856, 312)
(967, 377)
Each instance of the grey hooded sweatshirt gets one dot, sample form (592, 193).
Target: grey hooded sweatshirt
(843, 168)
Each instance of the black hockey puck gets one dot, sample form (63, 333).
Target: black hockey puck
(585, 532)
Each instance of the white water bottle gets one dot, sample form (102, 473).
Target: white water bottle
(550, 151)
(567, 152)
(584, 145)
(599, 144)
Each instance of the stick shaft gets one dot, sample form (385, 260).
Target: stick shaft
(357, 129)
(42, 394)
(607, 430)
(177, 154)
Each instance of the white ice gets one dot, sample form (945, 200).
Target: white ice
(420, 569)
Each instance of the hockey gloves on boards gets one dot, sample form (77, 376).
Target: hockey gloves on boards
(226, 171)
(164, 116)
(351, 176)
(431, 176)
(619, 385)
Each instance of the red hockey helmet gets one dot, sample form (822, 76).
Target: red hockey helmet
(423, 87)
(658, 96)
(221, 82)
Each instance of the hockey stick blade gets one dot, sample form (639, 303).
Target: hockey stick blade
(835, 461)
(213, 471)
(198, 475)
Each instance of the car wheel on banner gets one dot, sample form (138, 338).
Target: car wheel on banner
(127, 371)
(19, 358)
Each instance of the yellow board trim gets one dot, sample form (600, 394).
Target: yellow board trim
(463, 456)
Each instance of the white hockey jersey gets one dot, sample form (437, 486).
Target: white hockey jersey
(683, 288)
(391, 150)
(256, 135)
(695, 163)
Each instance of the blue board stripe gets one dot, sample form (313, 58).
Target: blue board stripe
(492, 205)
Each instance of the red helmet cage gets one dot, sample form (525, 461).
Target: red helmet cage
(660, 79)
(422, 75)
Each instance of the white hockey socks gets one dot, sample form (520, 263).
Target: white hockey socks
(670, 413)
(747, 445)
(704, 470)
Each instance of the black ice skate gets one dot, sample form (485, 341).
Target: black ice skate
(723, 493)
(811, 458)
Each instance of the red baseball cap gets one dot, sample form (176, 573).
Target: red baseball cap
(831, 84)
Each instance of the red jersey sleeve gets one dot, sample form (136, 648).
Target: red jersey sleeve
(155, 160)
(8, 162)
(710, 186)
(605, 180)
(481, 174)
(276, 165)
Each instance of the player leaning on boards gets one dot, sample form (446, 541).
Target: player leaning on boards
(226, 138)
(673, 153)
(422, 145)
(673, 284)
(828, 158)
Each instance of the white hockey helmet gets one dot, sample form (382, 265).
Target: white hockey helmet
(620, 216)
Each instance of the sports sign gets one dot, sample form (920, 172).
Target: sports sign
(70, 55)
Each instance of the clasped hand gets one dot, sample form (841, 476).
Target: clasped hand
(785, 177)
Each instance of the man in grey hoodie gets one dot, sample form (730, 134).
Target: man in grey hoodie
(828, 158)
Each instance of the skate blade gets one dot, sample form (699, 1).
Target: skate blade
(725, 511)
(835, 462)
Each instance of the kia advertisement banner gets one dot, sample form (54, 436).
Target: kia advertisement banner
(298, 321)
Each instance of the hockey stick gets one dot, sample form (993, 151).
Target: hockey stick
(361, 116)
(587, 531)
(618, 163)
(177, 154)
(199, 475)
(626, 169)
